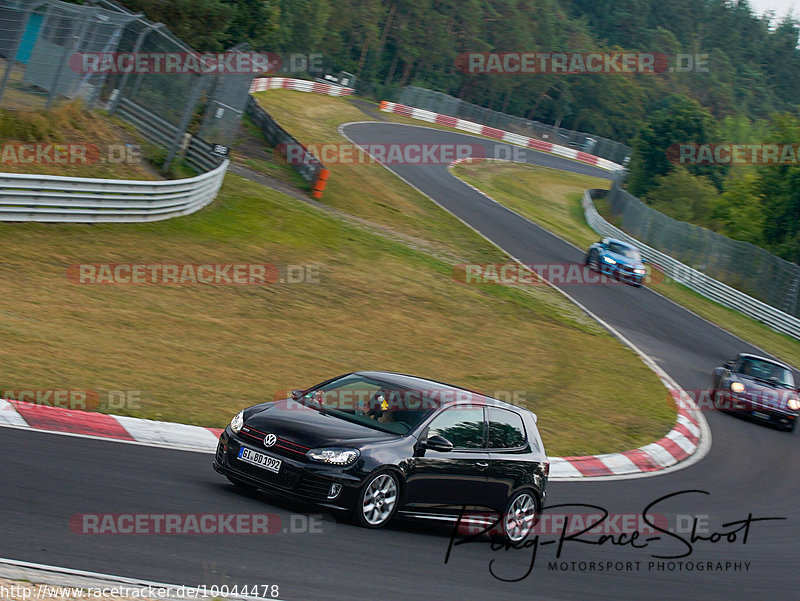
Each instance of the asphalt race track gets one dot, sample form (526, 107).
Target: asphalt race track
(751, 469)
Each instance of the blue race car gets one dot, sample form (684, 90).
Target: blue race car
(618, 259)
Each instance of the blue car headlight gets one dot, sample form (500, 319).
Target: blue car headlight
(639, 271)
(609, 260)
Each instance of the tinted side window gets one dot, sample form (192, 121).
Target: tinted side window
(505, 429)
(463, 427)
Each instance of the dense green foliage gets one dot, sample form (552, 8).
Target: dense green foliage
(746, 87)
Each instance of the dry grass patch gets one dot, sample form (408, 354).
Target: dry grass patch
(199, 353)
(81, 138)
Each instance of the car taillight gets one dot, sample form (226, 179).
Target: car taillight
(546, 469)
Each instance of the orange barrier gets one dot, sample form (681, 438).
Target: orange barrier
(319, 185)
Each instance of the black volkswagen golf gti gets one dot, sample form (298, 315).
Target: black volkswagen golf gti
(375, 444)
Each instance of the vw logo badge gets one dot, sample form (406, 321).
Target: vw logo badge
(269, 440)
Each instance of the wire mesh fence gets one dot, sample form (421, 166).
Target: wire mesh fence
(226, 102)
(439, 102)
(116, 59)
(741, 265)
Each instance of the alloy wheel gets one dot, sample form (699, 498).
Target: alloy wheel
(520, 517)
(379, 500)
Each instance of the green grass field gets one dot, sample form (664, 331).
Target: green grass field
(198, 353)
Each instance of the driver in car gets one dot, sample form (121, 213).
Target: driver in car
(379, 408)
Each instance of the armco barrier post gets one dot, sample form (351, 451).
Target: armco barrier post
(319, 185)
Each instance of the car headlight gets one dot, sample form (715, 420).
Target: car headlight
(237, 422)
(639, 271)
(609, 260)
(737, 387)
(794, 404)
(334, 455)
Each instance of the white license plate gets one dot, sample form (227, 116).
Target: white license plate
(259, 459)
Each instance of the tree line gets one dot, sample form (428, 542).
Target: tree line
(747, 90)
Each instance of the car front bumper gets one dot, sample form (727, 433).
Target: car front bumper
(622, 273)
(760, 411)
(297, 480)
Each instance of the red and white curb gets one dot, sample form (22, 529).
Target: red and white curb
(261, 84)
(676, 446)
(499, 134)
(18, 414)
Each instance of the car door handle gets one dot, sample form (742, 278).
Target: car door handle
(482, 465)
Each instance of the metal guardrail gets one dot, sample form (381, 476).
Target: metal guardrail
(261, 84)
(152, 127)
(48, 198)
(438, 102)
(696, 280)
(199, 154)
(765, 276)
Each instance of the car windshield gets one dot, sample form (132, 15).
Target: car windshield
(765, 371)
(373, 403)
(625, 251)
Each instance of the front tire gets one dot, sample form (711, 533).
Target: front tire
(520, 516)
(378, 500)
(594, 261)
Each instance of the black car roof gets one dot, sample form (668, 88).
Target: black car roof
(417, 383)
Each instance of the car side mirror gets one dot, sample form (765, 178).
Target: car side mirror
(728, 365)
(644, 261)
(296, 394)
(438, 443)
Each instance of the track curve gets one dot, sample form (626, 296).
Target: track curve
(750, 469)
